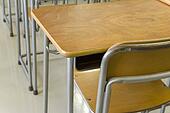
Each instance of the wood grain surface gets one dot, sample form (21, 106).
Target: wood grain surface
(166, 1)
(78, 30)
(125, 98)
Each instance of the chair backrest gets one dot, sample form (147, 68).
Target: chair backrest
(133, 62)
(133, 59)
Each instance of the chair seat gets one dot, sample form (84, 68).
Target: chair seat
(125, 97)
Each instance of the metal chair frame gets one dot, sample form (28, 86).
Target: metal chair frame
(104, 87)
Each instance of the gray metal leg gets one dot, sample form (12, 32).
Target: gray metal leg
(106, 102)
(28, 42)
(45, 77)
(19, 10)
(70, 84)
(18, 31)
(26, 51)
(23, 18)
(24, 36)
(3, 10)
(34, 56)
(34, 50)
(163, 109)
(36, 5)
(10, 18)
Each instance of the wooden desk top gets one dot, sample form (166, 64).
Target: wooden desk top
(77, 30)
(166, 1)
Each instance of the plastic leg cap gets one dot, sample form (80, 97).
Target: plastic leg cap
(4, 20)
(11, 34)
(19, 63)
(26, 62)
(24, 36)
(30, 88)
(35, 92)
(20, 19)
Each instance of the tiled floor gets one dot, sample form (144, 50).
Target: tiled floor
(14, 94)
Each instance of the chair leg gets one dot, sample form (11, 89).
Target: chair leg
(18, 30)
(23, 17)
(34, 57)
(163, 109)
(19, 10)
(70, 85)
(3, 10)
(46, 75)
(106, 99)
(24, 36)
(10, 18)
(27, 34)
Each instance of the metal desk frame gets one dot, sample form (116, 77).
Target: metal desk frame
(70, 79)
(26, 66)
(8, 17)
(34, 49)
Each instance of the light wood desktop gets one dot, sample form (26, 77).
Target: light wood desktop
(78, 30)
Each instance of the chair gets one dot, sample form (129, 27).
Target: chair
(129, 79)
